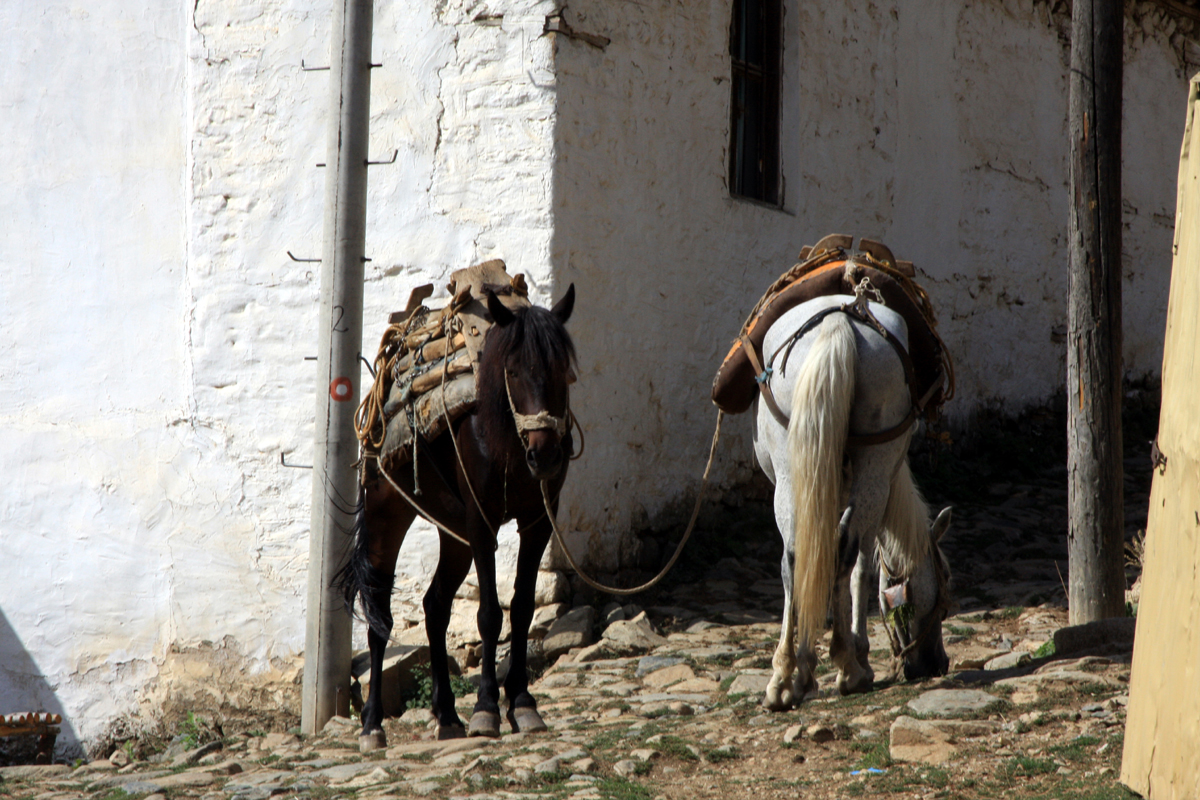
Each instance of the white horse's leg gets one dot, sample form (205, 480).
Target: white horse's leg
(851, 645)
(780, 694)
(872, 468)
(860, 594)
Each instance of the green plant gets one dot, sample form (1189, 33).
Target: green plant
(875, 753)
(1078, 749)
(615, 788)
(1045, 651)
(190, 732)
(719, 754)
(1025, 767)
(421, 693)
(675, 747)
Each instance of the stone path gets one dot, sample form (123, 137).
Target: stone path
(664, 702)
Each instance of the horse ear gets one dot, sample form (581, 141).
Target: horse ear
(500, 313)
(940, 525)
(562, 309)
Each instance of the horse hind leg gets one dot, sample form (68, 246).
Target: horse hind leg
(369, 576)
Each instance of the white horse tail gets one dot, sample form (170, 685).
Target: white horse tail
(820, 423)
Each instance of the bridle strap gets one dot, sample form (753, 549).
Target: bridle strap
(541, 421)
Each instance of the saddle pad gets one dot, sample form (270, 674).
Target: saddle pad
(431, 415)
(734, 387)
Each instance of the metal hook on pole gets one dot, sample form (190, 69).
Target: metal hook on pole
(302, 260)
(395, 153)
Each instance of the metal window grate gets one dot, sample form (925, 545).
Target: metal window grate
(755, 49)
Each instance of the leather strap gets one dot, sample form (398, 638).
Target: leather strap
(762, 378)
(853, 439)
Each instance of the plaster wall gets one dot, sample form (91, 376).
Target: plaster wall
(939, 128)
(154, 329)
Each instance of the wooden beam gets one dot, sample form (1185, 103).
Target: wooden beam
(1094, 370)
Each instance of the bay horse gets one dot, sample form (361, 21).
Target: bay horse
(843, 498)
(515, 442)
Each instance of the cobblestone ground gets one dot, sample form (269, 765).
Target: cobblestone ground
(670, 707)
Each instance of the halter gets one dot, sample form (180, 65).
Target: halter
(897, 595)
(541, 421)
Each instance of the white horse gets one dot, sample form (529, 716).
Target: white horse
(842, 502)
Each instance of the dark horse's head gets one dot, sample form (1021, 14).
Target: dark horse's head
(524, 373)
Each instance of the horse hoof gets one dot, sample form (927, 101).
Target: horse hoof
(451, 732)
(485, 723)
(370, 742)
(526, 720)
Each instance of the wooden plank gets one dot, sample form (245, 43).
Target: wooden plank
(1162, 730)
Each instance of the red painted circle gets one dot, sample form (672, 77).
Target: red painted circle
(340, 390)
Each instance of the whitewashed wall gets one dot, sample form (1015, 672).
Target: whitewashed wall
(161, 161)
(939, 128)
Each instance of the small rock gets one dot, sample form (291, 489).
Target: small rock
(583, 766)
(1008, 661)
(1103, 634)
(749, 683)
(523, 775)
(551, 587)
(669, 675)
(274, 741)
(550, 766)
(680, 708)
(574, 629)
(594, 652)
(119, 758)
(820, 733)
(645, 754)
(949, 702)
(625, 768)
(633, 635)
(648, 664)
(337, 724)
(792, 733)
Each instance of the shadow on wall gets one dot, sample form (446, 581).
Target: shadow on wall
(23, 689)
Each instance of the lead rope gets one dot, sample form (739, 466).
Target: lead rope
(558, 537)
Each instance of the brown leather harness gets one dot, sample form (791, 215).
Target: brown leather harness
(859, 309)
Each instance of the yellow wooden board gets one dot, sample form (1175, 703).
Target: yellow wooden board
(1162, 731)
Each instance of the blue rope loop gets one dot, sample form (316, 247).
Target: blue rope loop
(764, 376)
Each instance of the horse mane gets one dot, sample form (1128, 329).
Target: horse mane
(536, 337)
(906, 519)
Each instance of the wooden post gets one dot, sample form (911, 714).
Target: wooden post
(326, 687)
(1097, 524)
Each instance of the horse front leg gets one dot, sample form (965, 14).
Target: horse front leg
(522, 707)
(453, 563)
(485, 720)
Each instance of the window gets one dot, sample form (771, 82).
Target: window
(755, 47)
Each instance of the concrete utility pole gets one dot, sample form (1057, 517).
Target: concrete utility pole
(1094, 457)
(326, 689)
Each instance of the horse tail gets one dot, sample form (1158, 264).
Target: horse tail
(359, 580)
(820, 422)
